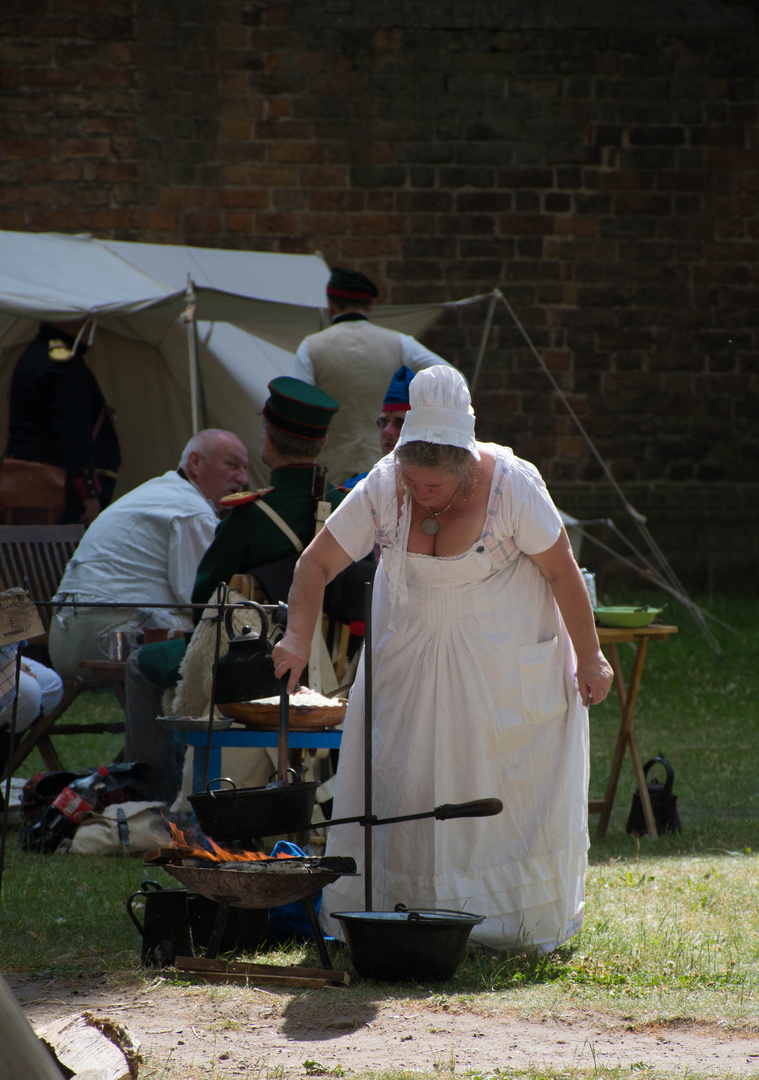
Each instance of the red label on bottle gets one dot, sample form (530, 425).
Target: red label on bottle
(72, 805)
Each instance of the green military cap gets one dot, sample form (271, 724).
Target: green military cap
(299, 408)
(350, 285)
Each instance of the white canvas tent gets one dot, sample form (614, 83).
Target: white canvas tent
(164, 375)
(167, 376)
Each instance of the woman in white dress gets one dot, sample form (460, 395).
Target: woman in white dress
(485, 658)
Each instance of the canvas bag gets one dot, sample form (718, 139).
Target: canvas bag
(127, 828)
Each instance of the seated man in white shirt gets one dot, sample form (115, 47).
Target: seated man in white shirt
(144, 549)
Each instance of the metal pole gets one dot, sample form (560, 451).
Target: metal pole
(202, 397)
(189, 318)
(11, 751)
(368, 745)
(217, 649)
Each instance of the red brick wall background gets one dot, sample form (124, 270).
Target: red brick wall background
(596, 161)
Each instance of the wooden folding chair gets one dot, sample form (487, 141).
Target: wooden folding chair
(34, 557)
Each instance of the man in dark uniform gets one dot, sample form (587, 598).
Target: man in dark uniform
(58, 416)
(295, 421)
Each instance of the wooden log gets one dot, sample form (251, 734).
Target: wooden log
(83, 1043)
(239, 979)
(23, 1055)
(160, 856)
(201, 966)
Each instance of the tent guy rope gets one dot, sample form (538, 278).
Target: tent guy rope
(664, 576)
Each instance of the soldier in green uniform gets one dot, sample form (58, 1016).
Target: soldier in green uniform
(262, 528)
(294, 430)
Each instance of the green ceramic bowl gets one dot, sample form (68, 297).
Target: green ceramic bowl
(626, 616)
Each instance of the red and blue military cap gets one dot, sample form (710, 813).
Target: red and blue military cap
(396, 398)
(350, 285)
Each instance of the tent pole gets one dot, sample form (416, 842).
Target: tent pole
(484, 340)
(189, 319)
(203, 400)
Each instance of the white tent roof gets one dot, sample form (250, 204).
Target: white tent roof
(252, 309)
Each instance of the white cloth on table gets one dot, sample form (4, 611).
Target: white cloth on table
(143, 549)
(474, 697)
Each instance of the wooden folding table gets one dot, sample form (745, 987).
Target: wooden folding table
(609, 638)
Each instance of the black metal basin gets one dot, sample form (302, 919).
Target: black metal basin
(423, 945)
(264, 883)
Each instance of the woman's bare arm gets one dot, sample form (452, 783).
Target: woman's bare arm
(319, 563)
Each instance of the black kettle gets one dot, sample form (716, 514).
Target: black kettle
(246, 672)
(165, 929)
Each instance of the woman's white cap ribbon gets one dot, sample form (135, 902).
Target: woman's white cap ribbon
(441, 410)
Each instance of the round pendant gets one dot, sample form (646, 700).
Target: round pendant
(430, 526)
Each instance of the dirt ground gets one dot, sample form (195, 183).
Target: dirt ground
(231, 1031)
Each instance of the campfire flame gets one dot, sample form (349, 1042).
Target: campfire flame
(187, 847)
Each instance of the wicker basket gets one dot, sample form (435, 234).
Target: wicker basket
(265, 717)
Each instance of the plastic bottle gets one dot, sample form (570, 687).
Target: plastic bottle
(590, 584)
(63, 815)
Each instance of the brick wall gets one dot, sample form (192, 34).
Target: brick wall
(595, 161)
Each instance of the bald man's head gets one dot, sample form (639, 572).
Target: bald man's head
(217, 463)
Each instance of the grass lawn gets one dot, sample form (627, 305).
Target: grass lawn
(671, 926)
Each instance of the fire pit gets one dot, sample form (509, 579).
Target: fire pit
(262, 883)
(248, 879)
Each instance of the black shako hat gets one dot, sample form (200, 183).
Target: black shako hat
(299, 408)
(350, 285)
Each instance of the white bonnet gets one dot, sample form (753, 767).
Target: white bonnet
(441, 410)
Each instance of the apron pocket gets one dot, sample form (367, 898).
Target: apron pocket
(540, 676)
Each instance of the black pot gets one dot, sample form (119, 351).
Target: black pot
(244, 814)
(165, 929)
(424, 945)
(176, 921)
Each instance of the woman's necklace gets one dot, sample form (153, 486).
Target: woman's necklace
(430, 525)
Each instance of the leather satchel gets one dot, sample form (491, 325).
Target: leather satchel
(29, 486)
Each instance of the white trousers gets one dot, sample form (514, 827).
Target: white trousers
(40, 690)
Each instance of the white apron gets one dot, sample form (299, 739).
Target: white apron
(474, 696)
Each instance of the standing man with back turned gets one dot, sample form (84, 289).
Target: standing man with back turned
(354, 361)
(59, 417)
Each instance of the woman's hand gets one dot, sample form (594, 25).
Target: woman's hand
(291, 654)
(594, 679)
(322, 559)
